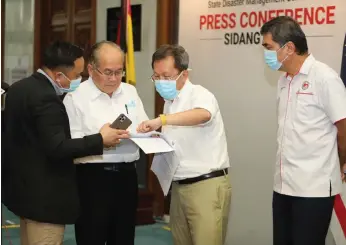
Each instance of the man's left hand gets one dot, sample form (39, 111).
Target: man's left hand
(150, 125)
(343, 173)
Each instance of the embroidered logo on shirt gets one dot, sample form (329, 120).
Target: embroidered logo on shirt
(305, 85)
(132, 103)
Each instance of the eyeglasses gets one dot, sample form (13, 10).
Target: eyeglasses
(110, 74)
(154, 77)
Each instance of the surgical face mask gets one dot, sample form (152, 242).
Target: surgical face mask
(167, 88)
(74, 84)
(271, 59)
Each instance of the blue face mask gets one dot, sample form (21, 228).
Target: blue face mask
(74, 84)
(167, 88)
(271, 59)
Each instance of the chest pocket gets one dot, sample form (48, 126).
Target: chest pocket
(306, 105)
(132, 113)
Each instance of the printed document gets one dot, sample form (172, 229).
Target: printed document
(152, 142)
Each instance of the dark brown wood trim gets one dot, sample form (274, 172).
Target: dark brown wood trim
(93, 21)
(37, 35)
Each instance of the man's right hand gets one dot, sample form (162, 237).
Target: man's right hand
(112, 136)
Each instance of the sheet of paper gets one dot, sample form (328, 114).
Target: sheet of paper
(152, 145)
(145, 135)
(152, 142)
(164, 167)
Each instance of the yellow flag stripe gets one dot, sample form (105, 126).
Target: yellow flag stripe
(130, 55)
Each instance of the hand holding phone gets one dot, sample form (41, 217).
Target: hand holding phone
(111, 137)
(122, 122)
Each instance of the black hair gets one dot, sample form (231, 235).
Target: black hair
(284, 29)
(179, 54)
(60, 54)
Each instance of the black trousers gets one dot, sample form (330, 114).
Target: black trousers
(109, 203)
(300, 220)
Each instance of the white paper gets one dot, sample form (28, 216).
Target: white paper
(151, 144)
(164, 167)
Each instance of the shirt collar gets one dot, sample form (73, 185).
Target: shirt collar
(55, 86)
(96, 92)
(307, 65)
(184, 91)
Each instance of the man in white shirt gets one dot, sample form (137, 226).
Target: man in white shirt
(108, 185)
(201, 188)
(311, 152)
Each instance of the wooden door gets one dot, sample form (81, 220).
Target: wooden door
(66, 20)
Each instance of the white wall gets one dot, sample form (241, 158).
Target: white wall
(144, 86)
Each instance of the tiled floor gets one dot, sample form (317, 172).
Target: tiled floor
(157, 234)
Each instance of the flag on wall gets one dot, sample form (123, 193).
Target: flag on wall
(125, 40)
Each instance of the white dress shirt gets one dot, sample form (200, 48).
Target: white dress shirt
(89, 109)
(201, 149)
(309, 104)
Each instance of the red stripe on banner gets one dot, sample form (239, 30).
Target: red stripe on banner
(340, 212)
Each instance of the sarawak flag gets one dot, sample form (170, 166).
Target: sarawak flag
(125, 40)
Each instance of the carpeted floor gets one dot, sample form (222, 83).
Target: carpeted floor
(157, 234)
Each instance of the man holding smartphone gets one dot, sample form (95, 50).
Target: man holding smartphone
(39, 177)
(108, 185)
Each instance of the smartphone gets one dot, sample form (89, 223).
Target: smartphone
(122, 122)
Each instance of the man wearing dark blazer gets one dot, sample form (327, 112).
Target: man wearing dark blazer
(39, 174)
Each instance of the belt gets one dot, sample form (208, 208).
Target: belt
(211, 175)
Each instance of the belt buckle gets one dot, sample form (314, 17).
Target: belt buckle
(112, 168)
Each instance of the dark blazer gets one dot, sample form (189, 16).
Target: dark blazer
(39, 181)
